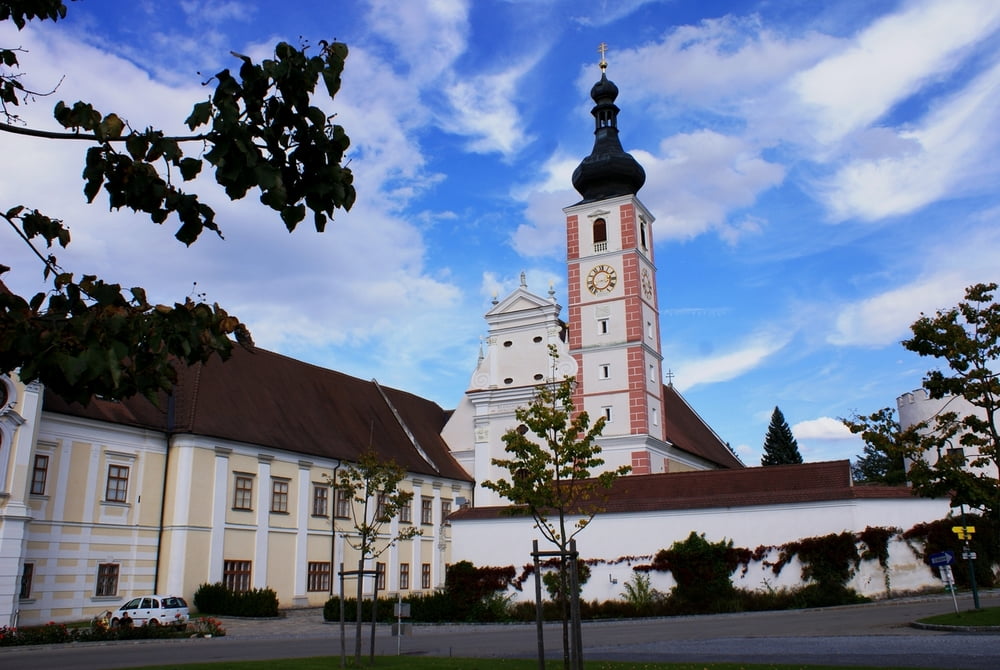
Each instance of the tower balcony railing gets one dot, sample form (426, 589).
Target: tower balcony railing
(600, 246)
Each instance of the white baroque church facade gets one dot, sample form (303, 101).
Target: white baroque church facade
(225, 479)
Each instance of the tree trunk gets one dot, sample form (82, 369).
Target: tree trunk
(357, 632)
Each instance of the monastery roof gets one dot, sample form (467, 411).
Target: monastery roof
(266, 399)
(745, 487)
(688, 432)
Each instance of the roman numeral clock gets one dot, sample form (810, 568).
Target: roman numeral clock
(601, 279)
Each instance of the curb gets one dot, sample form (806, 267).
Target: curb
(995, 630)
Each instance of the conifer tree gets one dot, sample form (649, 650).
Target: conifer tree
(780, 447)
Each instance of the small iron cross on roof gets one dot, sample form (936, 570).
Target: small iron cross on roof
(603, 49)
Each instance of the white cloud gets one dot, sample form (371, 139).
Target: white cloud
(726, 366)
(823, 428)
(408, 26)
(719, 63)
(953, 151)
(889, 60)
(485, 109)
(699, 178)
(885, 317)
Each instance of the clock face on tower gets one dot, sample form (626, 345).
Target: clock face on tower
(601, 279)
(647, 285)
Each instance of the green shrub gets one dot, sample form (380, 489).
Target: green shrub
(703, 572)
(937, 536)
(217, 599)
(640, 594)
(212, 598)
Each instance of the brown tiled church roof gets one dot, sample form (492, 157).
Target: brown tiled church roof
(688, 432)
(266, 399)
(745, 487)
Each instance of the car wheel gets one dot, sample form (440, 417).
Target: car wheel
(114, 623)
(154, 623)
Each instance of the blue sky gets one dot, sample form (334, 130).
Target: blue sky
(821, 173)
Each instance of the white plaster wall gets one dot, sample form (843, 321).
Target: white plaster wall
(622, 541)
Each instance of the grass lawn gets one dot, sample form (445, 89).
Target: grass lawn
(988, 616)
(426, 663)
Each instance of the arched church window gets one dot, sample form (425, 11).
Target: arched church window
(642, 233)
(600, 231)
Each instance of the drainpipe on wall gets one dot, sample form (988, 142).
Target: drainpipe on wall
(163, 490)
(333, 528)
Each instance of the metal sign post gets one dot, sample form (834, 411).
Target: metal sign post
(943, 561)
(965, 533)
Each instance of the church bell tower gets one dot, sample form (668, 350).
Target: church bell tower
(613, 314)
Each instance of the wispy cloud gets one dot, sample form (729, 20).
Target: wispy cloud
(888, 61)
(741, 359)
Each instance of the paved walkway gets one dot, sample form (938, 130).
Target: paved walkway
(881, 617)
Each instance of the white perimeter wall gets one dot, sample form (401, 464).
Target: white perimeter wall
(621, 541)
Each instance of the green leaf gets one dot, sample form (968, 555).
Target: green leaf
(137, 145)
(200, 115)
(190, 167)
(111, 127)
(293, 215)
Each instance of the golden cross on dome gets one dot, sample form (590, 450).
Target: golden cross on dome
(603, 49)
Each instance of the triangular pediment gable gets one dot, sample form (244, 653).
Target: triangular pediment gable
(521, 300)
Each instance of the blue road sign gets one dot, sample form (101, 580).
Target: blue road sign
(943, 558)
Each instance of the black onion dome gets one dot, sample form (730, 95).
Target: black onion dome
(608, 171)
(605, 89)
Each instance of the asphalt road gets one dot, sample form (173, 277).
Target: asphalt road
(875, 635)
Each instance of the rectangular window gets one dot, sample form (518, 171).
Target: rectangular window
(602, 326)
(652, 372)
(425, 575)
(404, 576)
(107, 579)
(406, 513)
(656, 417)
(445, 509)
(649, 329)
(117, 488)
(343, 505)
(279, 496)
(604, 371)
(39, 474)
(380, 510)
(318, 576)
(427, 511)
(380, 576)
(236, 575)
(243, 492)
(26, 575)
(607, 413)
(321, 494)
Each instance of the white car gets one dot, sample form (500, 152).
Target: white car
(152, 610)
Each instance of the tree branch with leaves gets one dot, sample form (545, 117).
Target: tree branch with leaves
(966, 339)
(258, 130)
(372, 486)
(552, 453)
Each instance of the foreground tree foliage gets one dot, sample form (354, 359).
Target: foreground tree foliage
(886, 443)
(954, 453)
(966, 341)
(258, 130)
(780, 446)
(552, 453)
(372, 487)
